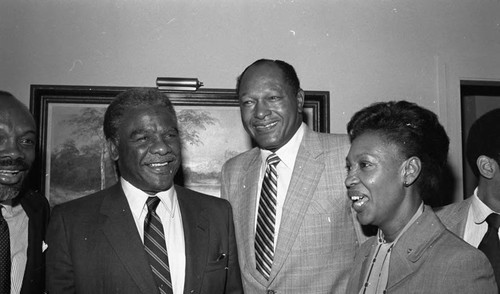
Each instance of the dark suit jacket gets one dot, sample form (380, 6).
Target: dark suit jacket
(428, 259)
(94, 246)
(37, 209)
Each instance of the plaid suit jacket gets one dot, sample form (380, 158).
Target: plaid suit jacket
(318, 234)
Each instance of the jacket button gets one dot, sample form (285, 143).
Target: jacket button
(271, 292)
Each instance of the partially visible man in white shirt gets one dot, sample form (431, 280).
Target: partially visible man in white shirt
(473, 218)
(23, 213)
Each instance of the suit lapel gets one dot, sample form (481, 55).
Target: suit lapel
(364, 253)
(196, 236)
(309, 166)
(246, 211)
(119, 227)
(36, 230)
(409, 250)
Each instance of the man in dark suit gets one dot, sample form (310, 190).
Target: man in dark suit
(24, 213)
(474, 218)
(144, 234)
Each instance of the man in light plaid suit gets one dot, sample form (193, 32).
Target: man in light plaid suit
(315, 232)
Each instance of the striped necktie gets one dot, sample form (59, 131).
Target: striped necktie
(266, 218)
(4, 255)
(156, 249)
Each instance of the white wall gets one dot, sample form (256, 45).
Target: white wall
(360, 51)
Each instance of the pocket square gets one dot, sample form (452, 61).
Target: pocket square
(44, 246)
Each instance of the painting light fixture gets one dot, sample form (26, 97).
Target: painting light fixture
(180, 84)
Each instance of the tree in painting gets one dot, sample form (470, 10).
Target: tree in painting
(191, 122)
(88, 127)
(74, 171)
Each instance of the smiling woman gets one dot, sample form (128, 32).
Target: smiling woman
(376, 183)
(397, 157)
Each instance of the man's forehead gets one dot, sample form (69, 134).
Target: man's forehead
(271, 75)
(11, 103)
(264, 68)
(13, 110)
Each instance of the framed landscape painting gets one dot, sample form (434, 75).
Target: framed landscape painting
(73, 159)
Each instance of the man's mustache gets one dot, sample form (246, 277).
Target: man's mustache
(17, 163)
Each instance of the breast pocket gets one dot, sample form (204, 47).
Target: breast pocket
(219, 264)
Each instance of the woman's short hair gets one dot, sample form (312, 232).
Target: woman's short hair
(133, 98)
(415, 130)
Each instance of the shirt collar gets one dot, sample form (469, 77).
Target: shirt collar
(480, 211)
(7, 205)
(11, 207)
(137, 199)
(288, 152)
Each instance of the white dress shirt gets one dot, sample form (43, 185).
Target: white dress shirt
(287, 155)
(18, 221)
(169, 212)
(476, 226)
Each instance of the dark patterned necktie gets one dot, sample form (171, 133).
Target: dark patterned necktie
(490, 244)
(155, 246)
(266, 218)
(4, 255)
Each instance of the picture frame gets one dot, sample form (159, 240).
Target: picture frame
(72, 159)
